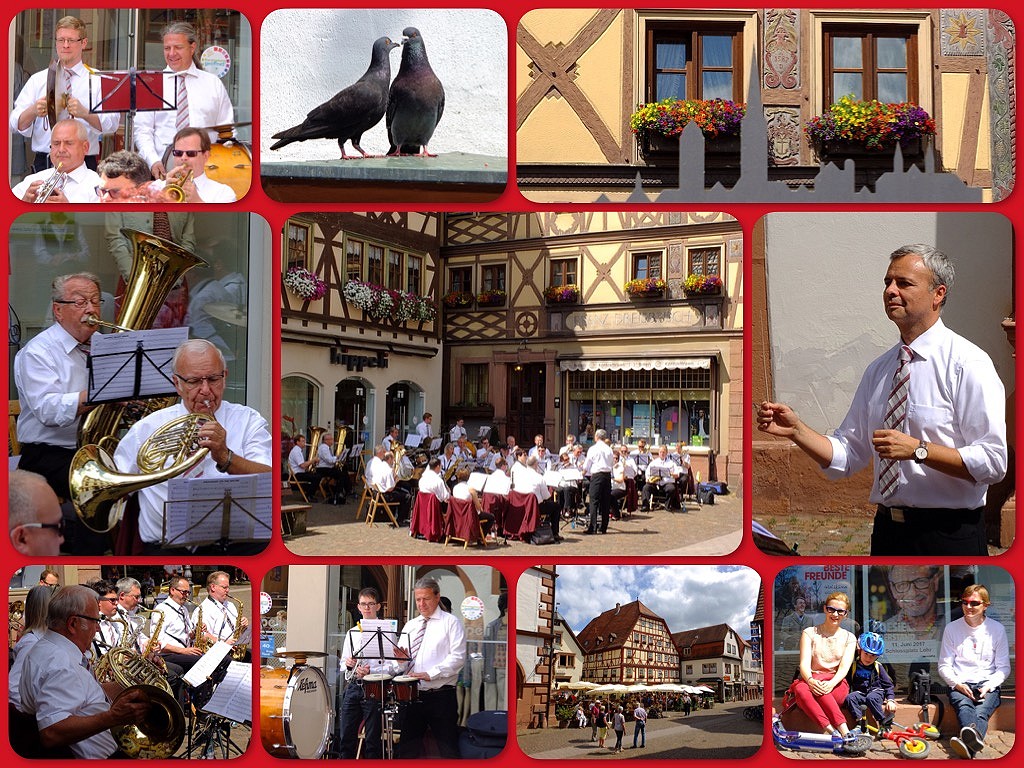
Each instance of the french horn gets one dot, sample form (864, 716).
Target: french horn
(161, 731)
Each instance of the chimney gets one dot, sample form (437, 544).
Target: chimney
(617, 606)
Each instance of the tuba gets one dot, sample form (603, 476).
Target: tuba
(316, 435)
(157, 266)
(54, 182)
(402, 472)
(339, 443)
(98, 489)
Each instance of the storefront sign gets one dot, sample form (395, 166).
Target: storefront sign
(357, 362)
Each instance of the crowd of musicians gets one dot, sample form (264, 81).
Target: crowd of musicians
(609, 481)
(57, 109)
(81, 652)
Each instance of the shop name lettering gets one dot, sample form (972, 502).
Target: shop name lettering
(835, 573)
(358, 362)
(307, 686)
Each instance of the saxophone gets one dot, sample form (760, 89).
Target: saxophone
(202, 642)
(237, 651)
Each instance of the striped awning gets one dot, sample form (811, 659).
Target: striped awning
(636, 364)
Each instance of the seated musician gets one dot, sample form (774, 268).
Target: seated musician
(70, 707)
(191, 153)
(570, 444)
(37, 604)
(618, 481)
(358, 662)
(465, 450)
(641, 456)
(531, 480)
(238, 438)
(392, 440)
(517, 463)
(449, 459)
(68, 144)
(380, 474)
(538, 443)
(501, 465)
(125, 178)
(661, 474)
(431, 481)
(35, 522)
(221, 621)
(463, 491)
(681, 458)
(301, 466)
(178, 631)
(568, 490)
(544, 459)
(108, 633)
(485, 456)
(330, 467)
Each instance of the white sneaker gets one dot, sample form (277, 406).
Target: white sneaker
(958, 748)
(970, 736)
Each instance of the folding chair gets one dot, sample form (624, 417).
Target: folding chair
(463, 523)
(378, 502)
(426, 519)
(293, 482)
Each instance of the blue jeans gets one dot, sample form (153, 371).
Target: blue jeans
(640, 731)
(974, 713)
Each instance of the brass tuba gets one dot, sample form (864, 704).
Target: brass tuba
(157, 266)
(316, 435)
(339, 443)
(402, 471)
(160, 733)
(98, 489)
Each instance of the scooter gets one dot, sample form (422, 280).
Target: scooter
(798, 741)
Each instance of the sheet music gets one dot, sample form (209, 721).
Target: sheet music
(113, 364)
(344, 457)
(499, 483)
(413, 440)
(477, 480)
(552, 479)
(207, 664)
(194, 510)
(485, 430)
(385, 625)
(232, 698)
(571, 474)
(435, 444)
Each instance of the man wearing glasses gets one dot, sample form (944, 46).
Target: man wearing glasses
(238, 437)
(68, 144)
(177, 633)
(913, 634)
(29, 116)
(35, 520)
(191, 152)
(108, 633)
(71, 710)
(357, 663)
(220, 615)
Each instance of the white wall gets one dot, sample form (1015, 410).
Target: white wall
(825, 273)
(308, 55)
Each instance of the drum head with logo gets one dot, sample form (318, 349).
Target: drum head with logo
(307, 713)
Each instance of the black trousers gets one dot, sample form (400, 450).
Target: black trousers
(437, 710)
(930, 532)
(600, 501)
(356, 708)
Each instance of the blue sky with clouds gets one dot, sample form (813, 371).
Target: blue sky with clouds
(686, 596)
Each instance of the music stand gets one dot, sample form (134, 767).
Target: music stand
(229, 702)
(379, 631)
(190, 518)
(130, 91)
(133, 364)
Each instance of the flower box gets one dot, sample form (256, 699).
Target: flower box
(382, 304)
(646, 288)
(840, 148)
(458, 299)
(721, 151)
(852, 127)
(658, 125)
(562, 294)
(702, 285)
(495, 298)
(304, 284)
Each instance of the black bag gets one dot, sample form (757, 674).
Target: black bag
(705, 494)
(920, 687)
(485, 734)
(543, 534)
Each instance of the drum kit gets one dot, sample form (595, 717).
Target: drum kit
(295, 708)
(390, 692)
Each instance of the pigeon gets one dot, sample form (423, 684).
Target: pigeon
(416, 101)
(352, 111)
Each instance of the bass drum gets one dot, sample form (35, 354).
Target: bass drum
(295, 712)
(231, 163)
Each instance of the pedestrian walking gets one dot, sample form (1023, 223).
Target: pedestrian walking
(619, 726)
(687, 702)
(640, 727)
(595, 710)
(602, 727)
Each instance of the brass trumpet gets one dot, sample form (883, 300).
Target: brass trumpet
(175, 190)
(54, 182)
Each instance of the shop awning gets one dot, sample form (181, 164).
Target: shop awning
(636, 364)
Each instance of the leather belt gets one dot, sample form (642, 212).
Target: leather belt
(929, 515)
(425, 692)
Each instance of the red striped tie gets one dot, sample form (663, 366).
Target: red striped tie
(895, 416)
(181, 120)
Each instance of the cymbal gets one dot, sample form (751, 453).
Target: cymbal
(300, 654)
(229, 313)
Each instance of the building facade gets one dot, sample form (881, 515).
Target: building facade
(712, 656)
(629, 644)
(535, 640)
(569, 664)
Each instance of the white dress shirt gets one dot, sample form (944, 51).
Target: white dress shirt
(248, 436)
(35, 89)
(50, 373)
(80, 186)
(662, 471)
(956, 400)
(600, 458)
(456, 432)
(14, 675)
(381, 475)
(177, 625)
(107, 636)
(56, 684)
(531, 482)
(209, 191)
(977, 655)
(423, 430)
(442, 652)
(296, 456)
(431, 482)
(219, 618)
(325, 454)
(208, 105)
(461, 491)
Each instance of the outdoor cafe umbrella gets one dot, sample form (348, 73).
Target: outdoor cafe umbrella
(578, 685)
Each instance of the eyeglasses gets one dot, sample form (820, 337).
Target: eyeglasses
(367, 605)
(904, 586)
(115, 194)
(107, 599)
(68, 40)
(87, 618)
(200, 380)
(182, 590)
(186, 152)
(971, 603)
(58, 527)
(81, 302)
(836, 611)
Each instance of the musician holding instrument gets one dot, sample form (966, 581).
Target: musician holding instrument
(431, 481)
(236, 436)
(661, 474)
(124, 178)
(532, 481)
(221, 620)
(69, 180)
(177, 632)
(187, 181)
(301, 465)
(380, 474)
(35, 522)
(67, 83)
(434, 643)
(356, 707)
(201, 98)
(108, 633)
(329, 466)
(52, 379)
(70, 707)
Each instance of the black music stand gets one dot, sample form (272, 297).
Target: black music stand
(388, 708)
(139, 370)
(130, 91)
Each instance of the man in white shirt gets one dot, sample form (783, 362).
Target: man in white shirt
(532, 481)
(432, 482)
(238, 439)
(201, 98)
(29, 115)
(458, 431)
(221, 621)
(177, 633)
(930, 414)
(380, 473)
(538, 443)
(435, 645)
(423, 429)
(301, 465)
(68, 144)
(35, 520)
(391, 439)
(661, 474)
(108, 633)
(598, 465)
(191, 152)
(71, 709)
(329, 466)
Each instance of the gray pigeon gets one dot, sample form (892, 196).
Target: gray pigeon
(416, 101)
(352, 111)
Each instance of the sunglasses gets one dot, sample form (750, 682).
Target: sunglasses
(836, 611)
(971, 603)
(58, 527)
(186, 152)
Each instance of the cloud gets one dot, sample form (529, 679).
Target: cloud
(686, 596)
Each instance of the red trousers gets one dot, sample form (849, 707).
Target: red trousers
(824, 710)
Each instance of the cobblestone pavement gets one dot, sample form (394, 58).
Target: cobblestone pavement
(719, 733)
(997, 744)
(709, 530)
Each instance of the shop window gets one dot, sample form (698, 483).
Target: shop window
(870, 63)
(705, 261)
(646, 265)
(688, 61)
(413, 273)
(375, 264)
(460, 279)
(394, 269)
(353, 260)
(492, 277)
(474, 383)
(298, 246)
(563, 272)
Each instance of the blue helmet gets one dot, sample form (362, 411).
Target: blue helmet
(872, 642)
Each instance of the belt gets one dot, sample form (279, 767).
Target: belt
(442, 689)
(930, 515)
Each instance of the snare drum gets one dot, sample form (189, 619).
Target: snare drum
(376, 687)
(295, 712)
(406, 688)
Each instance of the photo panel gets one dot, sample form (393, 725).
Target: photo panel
(491, 343)
(165, 649)
(354, 655)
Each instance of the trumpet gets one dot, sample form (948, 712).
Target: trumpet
(175, 190)
(54, 183)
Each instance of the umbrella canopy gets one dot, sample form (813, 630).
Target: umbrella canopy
(577, 685)
(669, 688)
(609, 688)
(638, 688)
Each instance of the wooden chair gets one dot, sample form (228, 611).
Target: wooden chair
(13, 409)
(377, 503)
(364, 499)
(522, 515)
(426, 519)
(463, 523)
(324, 488)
